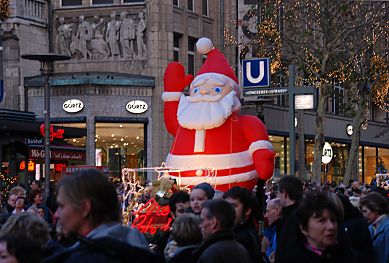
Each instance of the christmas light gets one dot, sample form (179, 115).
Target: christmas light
(5, 10)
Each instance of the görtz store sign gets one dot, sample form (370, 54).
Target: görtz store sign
(137, 106)
(73, 106)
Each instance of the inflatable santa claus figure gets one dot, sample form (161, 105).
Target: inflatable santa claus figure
(210, 135)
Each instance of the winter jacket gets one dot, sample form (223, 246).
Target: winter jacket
(380, 238)
(221, 247)
(335, 254)
(247, 236)
(110, 243)
(289, 236)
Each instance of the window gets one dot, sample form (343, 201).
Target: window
(132, 1)
(101, 2)
(337, 100)
(176, 2)
(71, 2)
(191, 54)
(176, 47)
(120, 145)
(205, 7)
(191, 5)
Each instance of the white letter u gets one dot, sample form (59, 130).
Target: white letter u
(261, 72)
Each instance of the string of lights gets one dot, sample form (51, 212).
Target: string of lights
(5, 10)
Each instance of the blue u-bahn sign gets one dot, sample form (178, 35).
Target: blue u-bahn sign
(256, 72)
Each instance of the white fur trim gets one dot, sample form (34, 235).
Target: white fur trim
(259, 145)
(171, 96)
(204, 45)
(215, 161)
(211, 74)
(199, 145)
(217, 180)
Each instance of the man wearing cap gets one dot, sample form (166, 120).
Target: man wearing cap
(212, 142)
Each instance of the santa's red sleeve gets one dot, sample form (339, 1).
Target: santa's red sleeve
(175, 82)
(260, 148)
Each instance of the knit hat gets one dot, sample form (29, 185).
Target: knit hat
(215, 63)
(207, 188)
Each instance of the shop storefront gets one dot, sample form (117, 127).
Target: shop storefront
(372, 159)
(116, 114)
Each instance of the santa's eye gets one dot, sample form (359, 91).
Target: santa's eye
(217, 89)
(195, 90)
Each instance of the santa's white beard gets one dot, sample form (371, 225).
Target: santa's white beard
(206, 112)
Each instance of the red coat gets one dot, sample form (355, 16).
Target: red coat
(226, 160)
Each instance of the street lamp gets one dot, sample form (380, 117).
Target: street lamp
(47, 62)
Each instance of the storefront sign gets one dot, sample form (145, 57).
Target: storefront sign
(303, 102)
(137, 106)
(152, 217)
(58, 133)
(327, 153)
(73, 106)
(56, 155)
(33, 141)
(349, 129)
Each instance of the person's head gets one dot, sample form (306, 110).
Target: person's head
(86, 199)
(178, 202)
(123, 15)
(186, 230)
(373, 205)
(113, 16)
(199, 194)
(30, 225)
(216, 215)
(33, 210)
(20, 202)
(36, 197)
(61, 20)
(41, 212)
(319, 220)
(355, 185)
(243, 202)
(18, 191)
(17, 248)
(81, 19)
(11, 200)
(290, 190)
(273, 210)
(35, 184)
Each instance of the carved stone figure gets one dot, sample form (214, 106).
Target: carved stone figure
(127, 35)
(84, 35)
(112, 35)
(98, 47)
(141, 27)
(64, 37)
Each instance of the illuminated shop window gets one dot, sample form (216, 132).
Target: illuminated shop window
(120, 145)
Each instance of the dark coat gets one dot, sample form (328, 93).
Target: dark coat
(357, 231)
(246, 234)
(289, 237)
(336, 254)
(103, 250)
(221, 247)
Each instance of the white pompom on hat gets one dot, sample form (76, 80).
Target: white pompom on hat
(204, 45)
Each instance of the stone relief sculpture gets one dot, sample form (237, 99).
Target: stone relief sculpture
(127, 35)
(140, 29)
(102, 38)
(98, 46)
(64, 37)
(112, 35)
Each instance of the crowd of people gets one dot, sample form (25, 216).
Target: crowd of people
(281, 221)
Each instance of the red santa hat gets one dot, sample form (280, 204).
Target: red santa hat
(215, 63)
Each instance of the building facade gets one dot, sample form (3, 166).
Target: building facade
(110, 89)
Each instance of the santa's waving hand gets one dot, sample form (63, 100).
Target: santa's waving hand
(209, 133)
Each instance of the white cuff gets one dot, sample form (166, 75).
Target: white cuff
(260, 145)
(171, 96)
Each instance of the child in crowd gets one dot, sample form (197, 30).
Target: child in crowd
(199, 194)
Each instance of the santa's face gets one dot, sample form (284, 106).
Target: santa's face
(210, 102)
